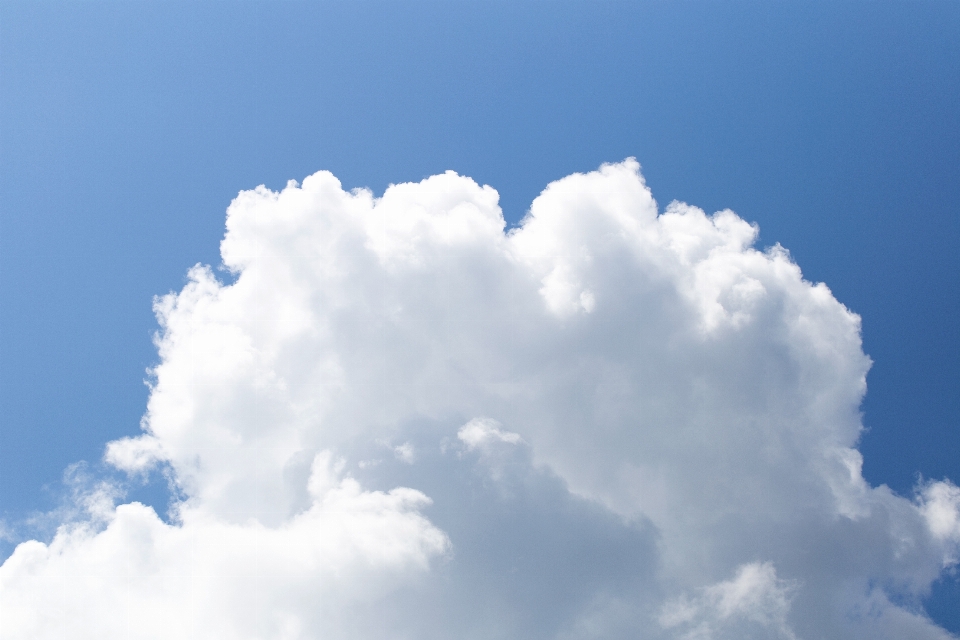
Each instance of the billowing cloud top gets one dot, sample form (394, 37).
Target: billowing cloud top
(401, 421)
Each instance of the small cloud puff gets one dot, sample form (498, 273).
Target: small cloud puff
(940, 506)
(404, 453)
(483, 432)
(134, 455)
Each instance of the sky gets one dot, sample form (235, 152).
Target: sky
(126, 131)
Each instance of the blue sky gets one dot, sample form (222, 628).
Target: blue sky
(127, 128)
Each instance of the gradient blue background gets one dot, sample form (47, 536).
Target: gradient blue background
(127, 128)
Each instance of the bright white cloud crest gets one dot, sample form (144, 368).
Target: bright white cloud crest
(613, 422)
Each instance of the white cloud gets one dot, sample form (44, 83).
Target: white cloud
(134, 455)
(755, 600)
(482, 432)
(204, 577)
(645, 406)
(404, 452)
(940, 505)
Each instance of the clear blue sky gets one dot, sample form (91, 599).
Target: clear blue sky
(126, 128)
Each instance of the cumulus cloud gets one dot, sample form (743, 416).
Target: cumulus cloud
(127, 574)
(401, 420)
